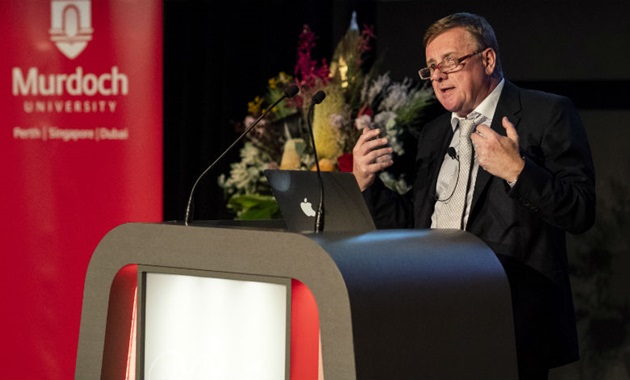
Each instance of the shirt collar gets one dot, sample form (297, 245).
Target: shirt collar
(485, 109)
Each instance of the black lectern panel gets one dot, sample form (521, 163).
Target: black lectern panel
(426, 305)
(395, 304)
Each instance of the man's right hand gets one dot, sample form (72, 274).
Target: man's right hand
(370, 155)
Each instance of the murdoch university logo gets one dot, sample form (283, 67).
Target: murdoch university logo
(71, 25)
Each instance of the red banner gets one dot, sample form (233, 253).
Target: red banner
(81, 148)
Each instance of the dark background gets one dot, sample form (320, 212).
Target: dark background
(216, 59)
(219, 57)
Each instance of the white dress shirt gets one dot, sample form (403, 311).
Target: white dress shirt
(450, 167)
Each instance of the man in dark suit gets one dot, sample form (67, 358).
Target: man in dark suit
(529, 182)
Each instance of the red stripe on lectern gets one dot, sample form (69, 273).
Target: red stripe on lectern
(120, 332)
(304, 333)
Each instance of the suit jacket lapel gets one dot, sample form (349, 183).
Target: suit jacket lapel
(431, 152)
(509, 105)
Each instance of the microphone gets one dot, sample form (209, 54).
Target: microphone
(319, 216)
(452, 153)
(289, 92)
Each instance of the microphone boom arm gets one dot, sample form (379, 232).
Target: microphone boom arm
(319, 216)
(289, 92)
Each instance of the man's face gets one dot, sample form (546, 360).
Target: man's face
(463, 89)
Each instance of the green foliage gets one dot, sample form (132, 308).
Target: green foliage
(254, 206)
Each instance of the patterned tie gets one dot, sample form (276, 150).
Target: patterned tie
(452, 212)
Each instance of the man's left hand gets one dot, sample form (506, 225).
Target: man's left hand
(496, 154)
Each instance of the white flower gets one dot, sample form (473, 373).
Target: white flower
(363, 121)
(250, 154)
(398, 185)
(249, 120)
(246, 173)
(383, 119)
(337, 120)
(397, 95)
(369, 93)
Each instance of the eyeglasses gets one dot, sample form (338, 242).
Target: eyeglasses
(448, 65)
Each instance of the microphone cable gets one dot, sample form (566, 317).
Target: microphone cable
(452, 153)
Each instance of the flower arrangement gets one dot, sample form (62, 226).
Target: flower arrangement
(355, 99)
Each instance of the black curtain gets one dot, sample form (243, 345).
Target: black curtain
(216, 59)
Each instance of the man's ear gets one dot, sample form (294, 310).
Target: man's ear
(489, 59)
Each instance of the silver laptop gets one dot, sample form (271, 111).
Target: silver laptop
(298, 192)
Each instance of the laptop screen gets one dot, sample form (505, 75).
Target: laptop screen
(298, 192)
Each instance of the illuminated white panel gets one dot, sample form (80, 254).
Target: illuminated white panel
(212, 328)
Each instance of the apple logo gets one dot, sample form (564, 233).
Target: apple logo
(307, 208)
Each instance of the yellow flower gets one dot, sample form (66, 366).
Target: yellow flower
(291, 155)
(328, 138)
(280, 81)
(255, 106)
(325, 165)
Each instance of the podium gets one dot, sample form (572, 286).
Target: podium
(392, 304)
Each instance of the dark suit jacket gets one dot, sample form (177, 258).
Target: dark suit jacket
(525, 226)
